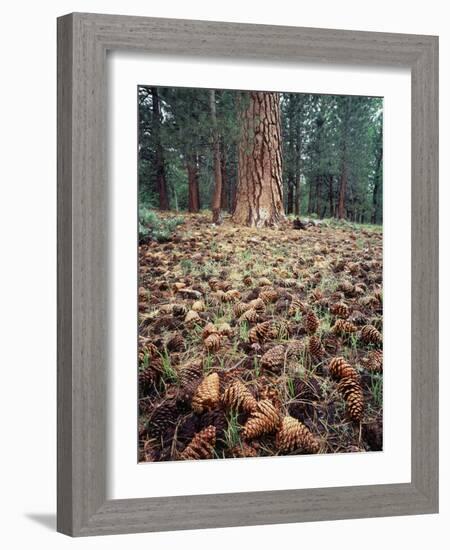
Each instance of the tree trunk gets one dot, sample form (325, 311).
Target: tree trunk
(224, 198)
(193, 191)
(217, 194)
(376, 189)
(344, 167)
(161, 182)
(259, 194)
(330, 195)
(297, 171)
(290, 197)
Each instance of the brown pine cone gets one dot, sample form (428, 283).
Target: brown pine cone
(214, 284)
(190, 372)
(274, 358)
(340, 369)
(240, 308)
(192, 318)
(216, 418)
(293, 435)
(311, 322)
(201, 446)
(162, 417)
(370, 335)
(264, 419)
(230, 296)
(147, 349)
(208, 330)
(249, 316)
(179, 310)
(175, 342)
(268, 296)
(340, 310)
(237, 396)
(296, 306)
(243, 451)
(342, 327)
(315, 347)
(207, 394)
(346, 287)
(247, 280)
(296, 348)
(212, 342)
(258, 305)
(261, 332)
(374, 361)
(354, 399)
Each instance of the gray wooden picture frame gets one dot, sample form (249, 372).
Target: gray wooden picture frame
(83, 41)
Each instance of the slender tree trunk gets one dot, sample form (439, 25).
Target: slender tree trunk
(344, 167)
(297, 171)
(224, 198)
(193, 191)
(217, 194)
(330, 194)
(290, 196)
(376, 189)
(259, 193)
(161, 182)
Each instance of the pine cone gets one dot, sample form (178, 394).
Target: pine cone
(238, 396)
(264, 281)
(249, 316)
(264, 419)
(340, 310)
(274, 358)
(198, 305)
(261, 332)
(343, 327)
(293, 435)
(347, 288)
(352, 393)
(201, 446)
(296, 306)
(179, 310)
(214, 284)
(370, 335)
(208, 330)
(207, 395)
(190, 372)
(240, 308)
(230, 296)
(340, 369)
(374, 361)
(331, 344)
(268, 296)
(247, 280)
(315, 347)
(311, 322)
(224, 329)
(212, 342)
(163, 416)
(175, 342)
(192, 318)
(258, 305)
(215, 418)
(243, 451)
(296, 348)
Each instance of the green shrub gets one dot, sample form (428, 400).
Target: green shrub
(154, 227)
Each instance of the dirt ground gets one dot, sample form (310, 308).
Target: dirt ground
(260, 342)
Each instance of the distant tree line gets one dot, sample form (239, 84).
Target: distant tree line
(259, 155)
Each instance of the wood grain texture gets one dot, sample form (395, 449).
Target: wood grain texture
(83, 206)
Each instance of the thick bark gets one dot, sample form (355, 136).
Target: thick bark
(259, 194)
(217, 194)
(160, 169)
(193, 190)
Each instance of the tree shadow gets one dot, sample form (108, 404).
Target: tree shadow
(46, 520)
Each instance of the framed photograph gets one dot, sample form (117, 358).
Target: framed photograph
(247, 274)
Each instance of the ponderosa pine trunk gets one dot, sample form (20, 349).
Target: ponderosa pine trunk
(160, 169)
(224, 198)
(217, 194)
(344, 161)
(259, 193)
(193, 190)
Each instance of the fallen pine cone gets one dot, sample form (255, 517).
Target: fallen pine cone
(370, 335)
(354, 399)
(340, 369)
(274, 358)
(315, 347)
(264, 419)
(239, 396)
(341, 327)
(311, 322)
(201, 446)
(293, 435)
(207, 395)
(212, 342)
(261, 332)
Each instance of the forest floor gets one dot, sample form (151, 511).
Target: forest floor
(260, 342)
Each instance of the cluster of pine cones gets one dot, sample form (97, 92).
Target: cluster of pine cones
(259, 365)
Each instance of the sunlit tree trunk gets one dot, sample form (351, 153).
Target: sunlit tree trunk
(259, 194)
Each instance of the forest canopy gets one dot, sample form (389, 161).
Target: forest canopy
(204, 149)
